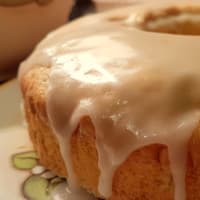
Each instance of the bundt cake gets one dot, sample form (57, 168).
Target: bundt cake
(112, 102)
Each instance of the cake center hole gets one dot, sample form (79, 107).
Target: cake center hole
(176, 22)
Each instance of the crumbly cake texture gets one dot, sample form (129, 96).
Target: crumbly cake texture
(145, 175)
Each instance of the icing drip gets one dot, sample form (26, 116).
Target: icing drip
(63, 192)
(100, 85)
(138, 87)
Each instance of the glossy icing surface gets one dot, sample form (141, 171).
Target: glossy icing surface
(63, 192)
(138, 87)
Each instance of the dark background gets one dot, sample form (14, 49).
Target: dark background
(82, 7)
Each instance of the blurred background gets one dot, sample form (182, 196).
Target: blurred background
(23, 23)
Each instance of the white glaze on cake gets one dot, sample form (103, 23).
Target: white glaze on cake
(63, 192)
(138, 87)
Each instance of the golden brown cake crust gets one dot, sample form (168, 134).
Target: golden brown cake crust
(145, 175)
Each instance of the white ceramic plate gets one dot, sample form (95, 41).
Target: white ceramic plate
(13, 139)
(21, 175)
